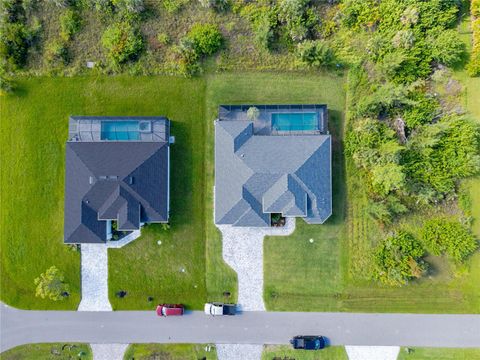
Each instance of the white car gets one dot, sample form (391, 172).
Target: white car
(220, 309)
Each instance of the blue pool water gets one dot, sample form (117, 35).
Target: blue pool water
(120, 130)
(295, 121)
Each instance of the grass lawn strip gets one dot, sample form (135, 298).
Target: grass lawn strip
(170, 351)
(48, 352)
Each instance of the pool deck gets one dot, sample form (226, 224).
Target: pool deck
(263, 124)
(89, 128)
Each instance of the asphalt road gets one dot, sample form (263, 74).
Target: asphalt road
(21, 327)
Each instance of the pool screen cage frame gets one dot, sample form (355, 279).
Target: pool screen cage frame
(89, 128)
(225, 113)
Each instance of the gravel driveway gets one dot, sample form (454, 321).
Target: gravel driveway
(243, 251)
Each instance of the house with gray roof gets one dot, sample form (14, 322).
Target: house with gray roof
(117, 170)
(274, 160)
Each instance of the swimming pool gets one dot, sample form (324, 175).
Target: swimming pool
(295, 121)
(120, 130)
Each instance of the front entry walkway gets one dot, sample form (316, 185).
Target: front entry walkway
(243, 251)
(94, 278)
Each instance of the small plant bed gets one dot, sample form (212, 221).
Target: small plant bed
(118, 234)
(277, 220)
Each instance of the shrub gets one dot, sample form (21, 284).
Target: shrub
(14, 41)
(173, 5)
(122, 41)
(163, 38)
(264, 21)
(314, 53)
(129, 6)
(70, 23)
(206, 38)
(442, 236)
(398, 259)
(50, 285)
(423, 112)
(447, 48)
(214, 4)
(475, 8)
(56, 53)
(474, 64)
(60, 3)
(6, 84)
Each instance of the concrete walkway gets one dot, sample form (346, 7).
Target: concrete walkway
(243, 251)
(108, 351)
(94, 278)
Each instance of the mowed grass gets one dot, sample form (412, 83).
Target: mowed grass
(170, 352)
(48, 352)
(438, 354)
(276, 352)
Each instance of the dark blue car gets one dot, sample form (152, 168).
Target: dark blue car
(308, 342)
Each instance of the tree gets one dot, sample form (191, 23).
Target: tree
(50, 285)
(253, 113)
(398, 259)
(70, 23)
(206, 38)
(122, 41)
(129, 6)
(443, 236)
(14, 41)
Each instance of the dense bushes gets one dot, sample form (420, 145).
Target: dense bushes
(398, 259)
(14, 44)
(122, 41)
(442, 236)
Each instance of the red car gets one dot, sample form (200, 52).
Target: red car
(170, 309)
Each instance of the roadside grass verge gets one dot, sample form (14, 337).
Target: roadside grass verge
(169, 351)
(273, 352)
(48, 352)
(417, 353)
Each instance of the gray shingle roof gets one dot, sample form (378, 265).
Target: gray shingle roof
(125, 181)
(256, 175)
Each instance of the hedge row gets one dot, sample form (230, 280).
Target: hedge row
(474, 65)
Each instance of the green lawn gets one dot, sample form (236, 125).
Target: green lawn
(48, 352)
(284, 352)
(438, 354)
(169, 351)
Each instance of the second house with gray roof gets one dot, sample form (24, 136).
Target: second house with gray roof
(272, 159)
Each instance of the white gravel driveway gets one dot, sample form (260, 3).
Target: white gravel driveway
(94, 278)
(243, 251)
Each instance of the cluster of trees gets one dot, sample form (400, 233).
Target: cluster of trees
(400, 258)
(474, 65)
(294, 24)
(412, 151)
(16, 35)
